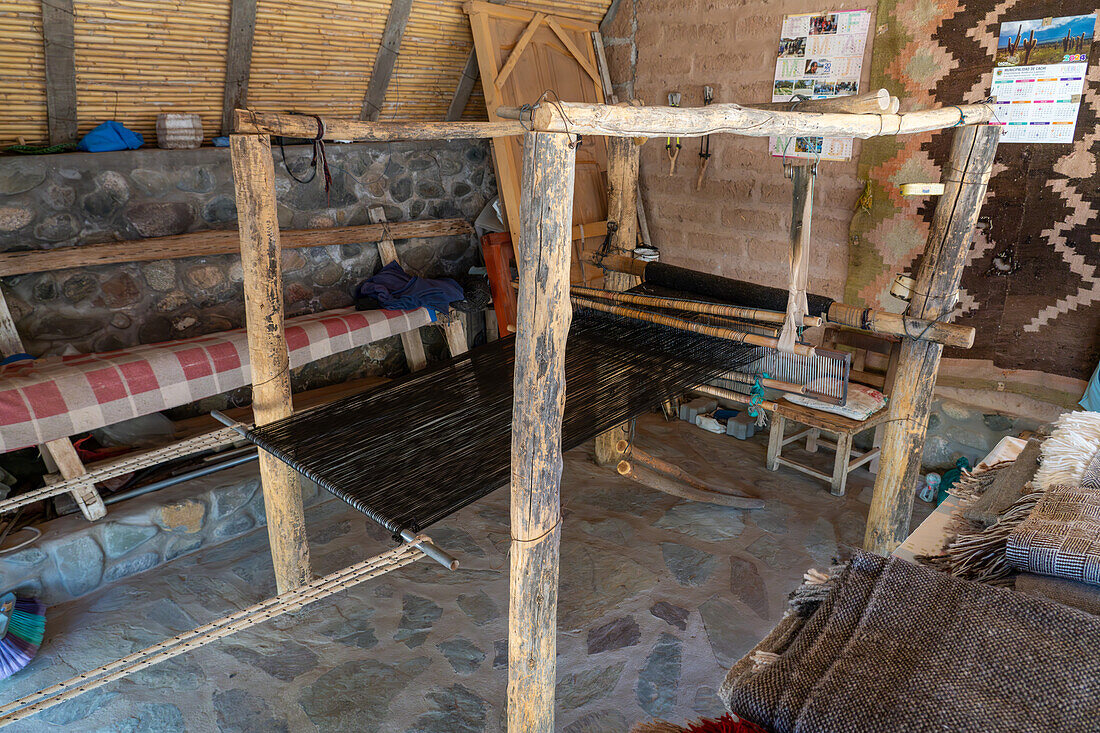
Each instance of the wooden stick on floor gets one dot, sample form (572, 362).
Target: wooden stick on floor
(254, 179)
(965, 176)
(542, 320)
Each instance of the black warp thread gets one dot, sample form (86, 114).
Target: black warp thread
(727, 290)
(412, 451)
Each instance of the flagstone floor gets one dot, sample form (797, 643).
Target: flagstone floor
(658, 596)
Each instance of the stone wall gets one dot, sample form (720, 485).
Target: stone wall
(60, 200)
(74, 556)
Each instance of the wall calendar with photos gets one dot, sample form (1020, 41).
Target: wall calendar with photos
(1039, 76)
(820, 56)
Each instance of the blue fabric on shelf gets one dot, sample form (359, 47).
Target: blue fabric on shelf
(110, 136)
(394, 289)
(1091, 400)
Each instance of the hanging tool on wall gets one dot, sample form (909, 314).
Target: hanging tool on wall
(672, 145)
(704, 142)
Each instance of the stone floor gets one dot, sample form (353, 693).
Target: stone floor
(658, 596)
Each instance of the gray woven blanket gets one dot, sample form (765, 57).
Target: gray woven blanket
(1061, 535)
(898, 647)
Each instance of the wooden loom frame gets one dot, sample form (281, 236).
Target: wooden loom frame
(544, 315)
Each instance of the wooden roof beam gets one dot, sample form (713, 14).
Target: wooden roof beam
(388, 51)
(464, 89)
(238, 59)
(628, 121)
(58, 40)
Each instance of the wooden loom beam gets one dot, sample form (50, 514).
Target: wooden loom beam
(305, 126)
(261, 254)
(542, 320)
(864, 319)
(411, 343)
(600, 119)
(965, 177)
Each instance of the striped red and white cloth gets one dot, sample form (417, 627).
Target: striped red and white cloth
(56, 397)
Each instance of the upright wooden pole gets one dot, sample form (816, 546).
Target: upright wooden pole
(965, 178)
(254, 179)
(542, 323)
(238, 59)
(622, 203)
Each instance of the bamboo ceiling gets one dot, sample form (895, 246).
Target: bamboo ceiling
(137, 58)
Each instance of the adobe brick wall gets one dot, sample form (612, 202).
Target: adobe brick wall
(736, 225)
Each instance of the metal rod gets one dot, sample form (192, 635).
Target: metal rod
(430, 549)
(173, 480)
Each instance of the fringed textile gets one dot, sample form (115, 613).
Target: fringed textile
(894, 646)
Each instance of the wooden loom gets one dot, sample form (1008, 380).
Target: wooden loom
(543, 318)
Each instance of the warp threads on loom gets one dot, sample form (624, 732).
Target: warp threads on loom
(413, 451)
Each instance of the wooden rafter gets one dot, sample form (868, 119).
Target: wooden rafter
(238, 59)
(580, 56)
(518, 49)
(58, 38)
(386, 60)
(464, 89)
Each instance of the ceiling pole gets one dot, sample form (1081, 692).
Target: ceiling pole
(386, 60)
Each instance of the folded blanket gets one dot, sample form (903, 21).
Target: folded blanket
(1061, 535)
(394, 289)
(896, 647)
(1083, 596)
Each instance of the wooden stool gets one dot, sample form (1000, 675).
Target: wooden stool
(816, 422)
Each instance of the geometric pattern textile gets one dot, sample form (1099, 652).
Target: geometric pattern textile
(1031, 286)
(59, 396)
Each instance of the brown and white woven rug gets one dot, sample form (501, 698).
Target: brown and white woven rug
(1061, 536)
(892, 646)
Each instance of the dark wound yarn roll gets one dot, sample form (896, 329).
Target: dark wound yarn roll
(727, 290)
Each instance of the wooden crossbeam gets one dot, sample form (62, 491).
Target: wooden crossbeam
(264, 123)
(238, 59)
(621, 121)
(58, 38)
(386, 60)
(464, 89)
(214, 242)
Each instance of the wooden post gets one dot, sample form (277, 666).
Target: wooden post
(542, 323)
(254, 180)
(965, 177)
(238, 59)
(411, 342)
(622, 201)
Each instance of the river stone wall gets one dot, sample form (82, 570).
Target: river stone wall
(72, 199)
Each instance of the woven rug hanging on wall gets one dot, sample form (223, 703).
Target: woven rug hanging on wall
(1032, 282)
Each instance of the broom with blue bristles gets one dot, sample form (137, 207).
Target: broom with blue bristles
(22, 626)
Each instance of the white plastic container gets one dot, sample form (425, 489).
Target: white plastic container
(179, 130)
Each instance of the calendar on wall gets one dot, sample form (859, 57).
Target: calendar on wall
(820, 56)
(1039, 76)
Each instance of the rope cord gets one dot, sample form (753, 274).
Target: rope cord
(207, 633)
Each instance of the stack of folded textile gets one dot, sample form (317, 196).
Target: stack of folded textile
(1047, 542)
(884, 645)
